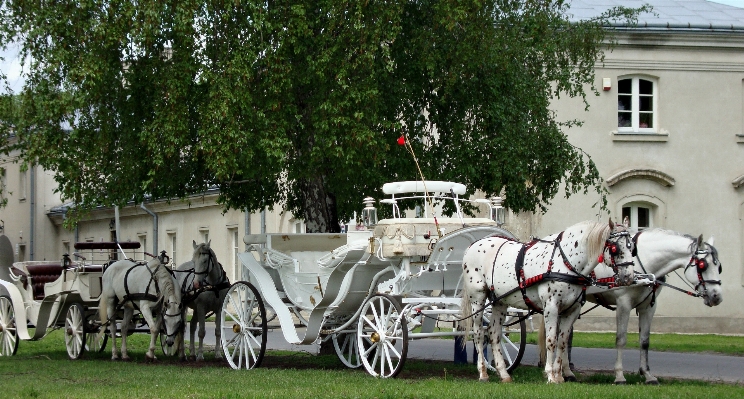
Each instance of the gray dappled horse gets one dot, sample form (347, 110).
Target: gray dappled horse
(546, 275)
(203, 284)
(148, 287)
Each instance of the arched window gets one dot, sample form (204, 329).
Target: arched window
(636, 105)
(639, 214)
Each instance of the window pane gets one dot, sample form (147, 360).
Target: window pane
(646, 103)
(643, 217)
(645, 86)
(623, 119)
(624, 103)
(645, 120)
(624, 86)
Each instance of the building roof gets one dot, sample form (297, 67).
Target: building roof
(670, 15)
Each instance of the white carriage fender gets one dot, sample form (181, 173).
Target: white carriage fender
(18, 308)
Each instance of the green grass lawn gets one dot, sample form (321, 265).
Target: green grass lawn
(41, 370)
(705, 343)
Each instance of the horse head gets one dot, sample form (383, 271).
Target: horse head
(206, 268)
(704, 271)
(170, 303)
(618, 253)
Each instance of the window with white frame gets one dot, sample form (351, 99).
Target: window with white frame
(640, 215)
(636, 105)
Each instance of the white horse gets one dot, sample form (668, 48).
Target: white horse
(204, 284)
(547, 275)
(148, 287)
(659, 252)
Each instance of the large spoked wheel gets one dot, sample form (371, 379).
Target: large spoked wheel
(244, 328)
(75, 331)
(347, 349)
(382, 336)
(513, 343)
(95, 336)
(8, 332)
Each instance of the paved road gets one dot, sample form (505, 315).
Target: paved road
(663, 364)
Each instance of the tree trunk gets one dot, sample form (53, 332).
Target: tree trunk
(319, 207)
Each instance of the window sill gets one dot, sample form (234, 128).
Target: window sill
(740, 138)
(662, 136)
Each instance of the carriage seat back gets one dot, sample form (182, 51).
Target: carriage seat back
(41, 274)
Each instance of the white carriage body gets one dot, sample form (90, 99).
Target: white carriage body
(322, 280)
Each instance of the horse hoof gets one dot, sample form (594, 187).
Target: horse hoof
(652, 382)
(620, 383)
(507, 380)
(483, 379)
(570, 378)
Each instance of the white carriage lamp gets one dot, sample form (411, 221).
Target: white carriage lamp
(369, 213)
(498, 212)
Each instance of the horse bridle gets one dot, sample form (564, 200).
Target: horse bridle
(615, 251)
(701, 265)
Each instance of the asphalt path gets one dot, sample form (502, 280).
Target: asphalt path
(663, 364)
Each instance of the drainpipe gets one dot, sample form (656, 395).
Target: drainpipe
(32, 194)
(154, 229)
(247, 224)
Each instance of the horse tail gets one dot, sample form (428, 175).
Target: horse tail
(466, 323)
(103, 310)
(542, 351)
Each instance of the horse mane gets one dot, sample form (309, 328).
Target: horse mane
(165, 278)
(596, 236)
(693, 244)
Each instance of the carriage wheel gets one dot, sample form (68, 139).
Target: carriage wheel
(8, 332)
(95, 336)
(382, 336)
(347, 349)
(244, 328)
(75, 331)
(513, 343)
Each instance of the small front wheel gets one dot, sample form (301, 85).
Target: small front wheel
(8, 331)
(382, 336)
(95, 335)
(75, 331)
(244, 329)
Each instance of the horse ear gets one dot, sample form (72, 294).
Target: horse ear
(209, 243)
(711, 240)
(193, 242)
(700, 240)
(612, 225)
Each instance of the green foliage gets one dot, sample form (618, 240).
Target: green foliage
(300, 102)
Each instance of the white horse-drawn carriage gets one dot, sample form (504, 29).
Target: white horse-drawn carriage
(369, 291)
(49, 295)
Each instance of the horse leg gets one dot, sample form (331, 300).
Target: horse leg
(128, 313)
(498, 314)
(154, 324)
(566, 328)
(477, 300)
(622, 313)
(192, 331)
(202, 331)
(550, 315)
(645, 316)
(217, 330)
(180, 338)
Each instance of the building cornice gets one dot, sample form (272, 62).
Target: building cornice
(639, 173)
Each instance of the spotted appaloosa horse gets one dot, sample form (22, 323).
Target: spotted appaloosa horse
(546, 275)
(659, 252)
